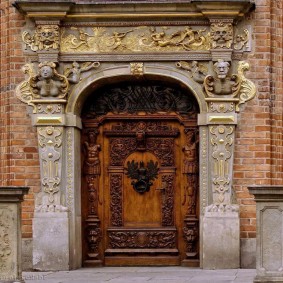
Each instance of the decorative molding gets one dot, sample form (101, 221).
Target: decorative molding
(168, 199)
(222, 139)
(116, 196)
(142, 239)
(70, 171)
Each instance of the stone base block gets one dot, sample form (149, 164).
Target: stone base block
(266, 279)
(248, 253)
(51, 241)
(221, 240)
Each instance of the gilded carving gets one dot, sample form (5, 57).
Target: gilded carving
(49, 108)
(197, 71)
(142, 239)
(46, 37)
(241, 40)
(137, 69)
(247, 89)
(74, 73)
(222, 84)
(221, 35)
(222, 140)
(48, 83)
(137, 39)
(23, 90)
(222, 107)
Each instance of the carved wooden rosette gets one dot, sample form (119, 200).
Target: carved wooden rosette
(91, 170)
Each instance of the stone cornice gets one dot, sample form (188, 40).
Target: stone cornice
(132, 10)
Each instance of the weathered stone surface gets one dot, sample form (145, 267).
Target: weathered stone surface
(221, 240)
(27, 254)
(51, 241)
(10, 233)
(269, 246)
(248, 253)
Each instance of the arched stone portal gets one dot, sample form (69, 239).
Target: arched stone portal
(197, 54)
(140, 203)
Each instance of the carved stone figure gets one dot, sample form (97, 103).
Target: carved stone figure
(48, 83)
(74, 73)
(241, 40)
(221, 35)
(222, 84)
(91, 150)
(196, 70)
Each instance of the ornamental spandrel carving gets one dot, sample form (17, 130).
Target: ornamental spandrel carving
(197, 71)
(45, 37)
(134, 39)
(221, 35)
(73, 73)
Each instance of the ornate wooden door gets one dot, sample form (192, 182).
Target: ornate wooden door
(139, 190)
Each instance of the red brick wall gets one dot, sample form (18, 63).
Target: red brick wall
(258, 145)
(258, 151)
(19, 163)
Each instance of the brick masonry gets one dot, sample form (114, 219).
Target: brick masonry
(258, 145)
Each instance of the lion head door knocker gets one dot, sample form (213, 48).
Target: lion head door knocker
(143, 175)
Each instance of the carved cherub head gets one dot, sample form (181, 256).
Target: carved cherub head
(221, 68)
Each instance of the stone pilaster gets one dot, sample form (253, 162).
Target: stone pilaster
(269, 246)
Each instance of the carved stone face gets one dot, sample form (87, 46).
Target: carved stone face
(221, 69)
(48, 35)
(220, 36)
(46, 72)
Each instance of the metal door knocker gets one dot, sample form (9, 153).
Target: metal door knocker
(143, 175)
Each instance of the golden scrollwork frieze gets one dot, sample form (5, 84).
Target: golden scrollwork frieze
(133, 39)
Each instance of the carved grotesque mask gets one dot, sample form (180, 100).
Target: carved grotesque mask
(48, 36)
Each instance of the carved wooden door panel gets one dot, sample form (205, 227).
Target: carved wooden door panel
(140, 194)
(143, 215)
